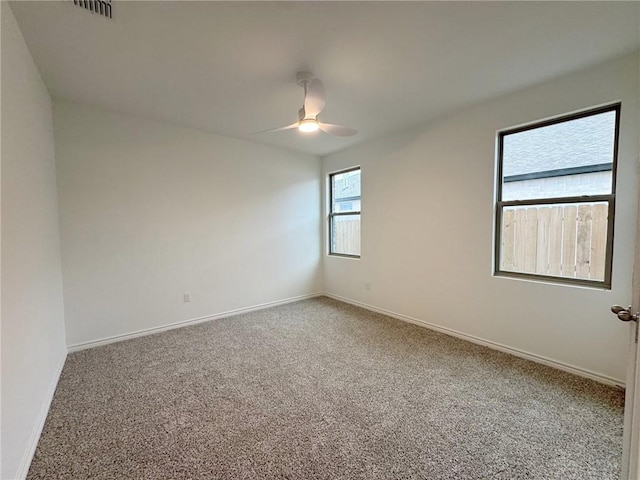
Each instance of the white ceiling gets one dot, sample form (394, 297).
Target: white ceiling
(229, 67)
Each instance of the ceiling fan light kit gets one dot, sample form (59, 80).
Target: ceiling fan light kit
(308, 125)
(314, 102)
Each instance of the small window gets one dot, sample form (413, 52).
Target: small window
(344, 214)
(556, 198)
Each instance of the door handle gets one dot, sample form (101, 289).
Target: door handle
(624, 314)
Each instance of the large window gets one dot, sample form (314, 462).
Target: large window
(556, 198)
(344, 214)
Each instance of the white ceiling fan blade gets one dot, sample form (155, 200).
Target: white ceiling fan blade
(286, 127)
(337, 130)
(315, 98)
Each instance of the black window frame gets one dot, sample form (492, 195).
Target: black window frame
(333, 214)
(610, 199)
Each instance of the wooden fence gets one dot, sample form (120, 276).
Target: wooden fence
(346, 236)
(564, 241)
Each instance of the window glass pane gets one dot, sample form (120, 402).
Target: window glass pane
(574, 157)
(560, 240)
(345, 191)
(345, 234)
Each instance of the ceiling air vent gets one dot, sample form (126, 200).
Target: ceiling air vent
(101, 7)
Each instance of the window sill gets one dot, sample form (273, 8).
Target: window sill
(341, 255)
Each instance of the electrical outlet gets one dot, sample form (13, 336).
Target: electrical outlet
(186, 297)
(367, 286)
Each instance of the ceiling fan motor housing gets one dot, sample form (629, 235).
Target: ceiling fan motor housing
(303, 78)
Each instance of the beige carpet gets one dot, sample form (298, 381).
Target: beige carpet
(322, 390)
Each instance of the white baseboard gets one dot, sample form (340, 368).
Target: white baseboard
(487, 343)
(23, 469)
(184, 323)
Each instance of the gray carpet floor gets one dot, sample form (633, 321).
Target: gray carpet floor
(320, 389)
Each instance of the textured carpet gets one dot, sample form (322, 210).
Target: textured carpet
(320, 389)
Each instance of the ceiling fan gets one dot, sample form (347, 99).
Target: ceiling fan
(314, 101)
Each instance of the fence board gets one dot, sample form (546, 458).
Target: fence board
(598, 241)
(542, 246)
(569, 241)
(583, 243)
(531, 240)
(520, 236)
(508, 232)
(555, 241)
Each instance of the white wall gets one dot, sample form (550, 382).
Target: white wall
(33, 338)
(427, 227)
(150, 211)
